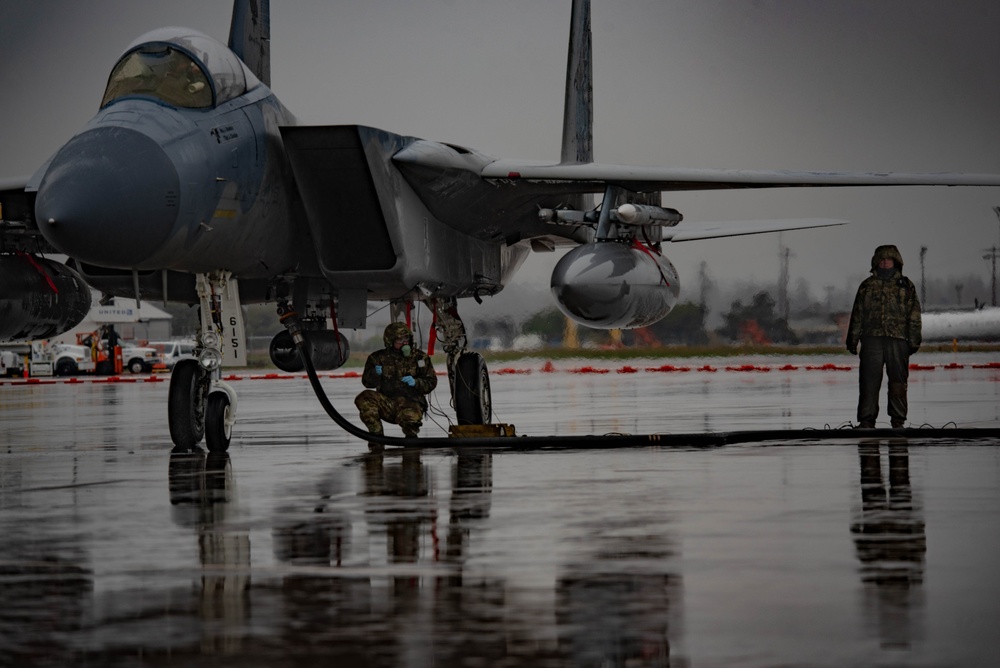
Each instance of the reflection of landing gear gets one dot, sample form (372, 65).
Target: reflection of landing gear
(200, 404)
(467, 374)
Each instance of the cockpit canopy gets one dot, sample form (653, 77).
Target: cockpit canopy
(180, 67)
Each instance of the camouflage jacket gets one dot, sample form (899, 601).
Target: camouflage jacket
(394, 367)
(885, 307)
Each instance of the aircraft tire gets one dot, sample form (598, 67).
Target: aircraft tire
(186, 404)
(217, 432)
(473, 402)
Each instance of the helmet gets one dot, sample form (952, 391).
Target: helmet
(396, 330)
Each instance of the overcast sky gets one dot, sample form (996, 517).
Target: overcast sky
(893, 85)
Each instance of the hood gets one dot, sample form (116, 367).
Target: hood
(888, 251)
(393, 331)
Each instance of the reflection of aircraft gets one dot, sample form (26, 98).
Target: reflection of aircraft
(619, 619)
(201, 491)
(193, 184)
(618, 603)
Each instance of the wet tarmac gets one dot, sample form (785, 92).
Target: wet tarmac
(298, 548)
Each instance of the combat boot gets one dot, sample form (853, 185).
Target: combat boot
(374, 446)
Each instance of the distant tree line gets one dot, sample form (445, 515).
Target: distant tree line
(752, 316)
(755, 322)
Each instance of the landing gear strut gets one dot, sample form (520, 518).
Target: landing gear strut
(201, 404)
(467, 373)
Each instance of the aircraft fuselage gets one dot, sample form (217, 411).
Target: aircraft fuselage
(185, 171)
(147, 186)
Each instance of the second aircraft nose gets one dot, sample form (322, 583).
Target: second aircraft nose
(109, 198)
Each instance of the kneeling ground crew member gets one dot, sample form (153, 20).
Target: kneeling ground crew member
(401, 376)
(886, 321)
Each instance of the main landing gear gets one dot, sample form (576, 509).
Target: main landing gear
(200, 404)
(467, 373)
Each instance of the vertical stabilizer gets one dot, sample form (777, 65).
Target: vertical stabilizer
(578, 109)
(250, 36)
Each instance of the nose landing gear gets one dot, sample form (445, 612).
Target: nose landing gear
(200, 404)
(189, 386)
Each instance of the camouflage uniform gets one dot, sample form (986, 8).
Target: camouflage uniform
(392, 399)
(886, 321)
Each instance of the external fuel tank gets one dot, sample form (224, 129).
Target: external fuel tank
(615, 285)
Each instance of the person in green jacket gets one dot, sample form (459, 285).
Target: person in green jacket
(885, 320)
(400, 376)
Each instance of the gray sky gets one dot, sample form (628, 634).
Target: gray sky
(893, 85)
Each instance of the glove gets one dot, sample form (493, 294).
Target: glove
(409, 380)
(378, 369)
(853, 349)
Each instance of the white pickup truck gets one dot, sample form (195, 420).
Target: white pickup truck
(139, 359)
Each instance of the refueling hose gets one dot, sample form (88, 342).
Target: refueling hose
(290, 319)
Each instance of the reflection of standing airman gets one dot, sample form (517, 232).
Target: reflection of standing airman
(400, 376)
(886, 321)
(891, 542)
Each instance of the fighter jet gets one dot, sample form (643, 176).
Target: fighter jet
(194, 184)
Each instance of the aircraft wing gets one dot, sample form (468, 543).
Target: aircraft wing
(650, 179)
(491, 198)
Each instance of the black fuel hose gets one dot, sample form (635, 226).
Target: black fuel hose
(290, 319)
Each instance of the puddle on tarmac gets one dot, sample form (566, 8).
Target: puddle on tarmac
(298, 549)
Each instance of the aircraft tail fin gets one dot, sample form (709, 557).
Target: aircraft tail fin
(250, 36)
(578, 109)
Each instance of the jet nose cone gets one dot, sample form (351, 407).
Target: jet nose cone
(109, 198)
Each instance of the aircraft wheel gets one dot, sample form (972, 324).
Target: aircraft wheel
(473, 403)
(217, 432)
(186, 403)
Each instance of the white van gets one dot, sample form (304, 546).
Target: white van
(169, 352)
